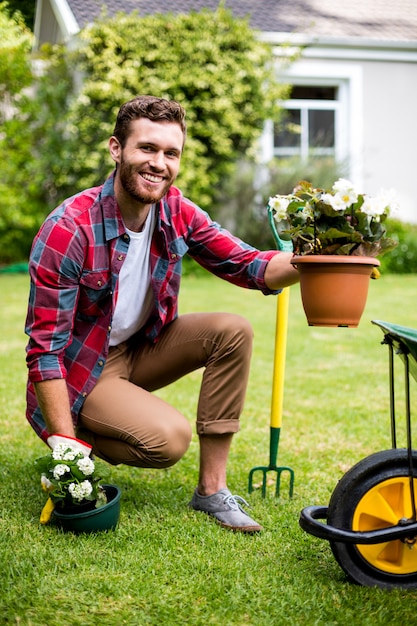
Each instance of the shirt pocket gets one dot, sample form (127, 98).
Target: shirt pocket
(95, 294)
(177, 250)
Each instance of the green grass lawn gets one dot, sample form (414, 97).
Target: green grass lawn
(167, 565)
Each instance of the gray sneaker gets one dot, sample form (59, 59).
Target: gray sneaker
(226, 510)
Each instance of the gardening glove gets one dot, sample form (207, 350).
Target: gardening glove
(48, 509)
(77, 444)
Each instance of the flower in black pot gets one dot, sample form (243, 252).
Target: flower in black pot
(72, 481)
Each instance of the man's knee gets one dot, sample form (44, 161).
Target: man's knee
(235, 330)
(164, 446)
(173, 444)
(237, 338)
(244, 329)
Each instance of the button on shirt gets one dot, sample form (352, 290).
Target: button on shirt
(74, 266)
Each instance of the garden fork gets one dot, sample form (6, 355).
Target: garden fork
(277, 401)
(281, 329)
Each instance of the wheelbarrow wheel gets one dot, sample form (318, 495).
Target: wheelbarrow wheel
(375, 494)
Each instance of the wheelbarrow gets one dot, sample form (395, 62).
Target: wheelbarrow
(371, 519)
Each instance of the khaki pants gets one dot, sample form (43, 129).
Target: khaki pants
(127, 424)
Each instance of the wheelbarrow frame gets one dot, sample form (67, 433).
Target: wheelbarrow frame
(402, 341)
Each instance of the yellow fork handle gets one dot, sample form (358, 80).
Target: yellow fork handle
(281, 329)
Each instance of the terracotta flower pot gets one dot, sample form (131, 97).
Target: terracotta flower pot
(104, 518)
(334, 288)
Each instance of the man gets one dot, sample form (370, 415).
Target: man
(102, 318)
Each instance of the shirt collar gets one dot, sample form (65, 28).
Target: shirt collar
(113, 223)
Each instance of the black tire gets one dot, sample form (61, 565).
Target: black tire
(375, 494)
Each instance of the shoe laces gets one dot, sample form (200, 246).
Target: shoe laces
(234, 501)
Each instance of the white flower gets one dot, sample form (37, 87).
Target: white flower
(79, 491)
(64, 452)
(336, 202)
(58, 451)
(342, 186)
(371, 207)
(86, 465)
(345, 192)
(389, 198)
(385, 203)
(279, 205)
(60, 470)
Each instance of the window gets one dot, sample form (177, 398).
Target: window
(308, 123)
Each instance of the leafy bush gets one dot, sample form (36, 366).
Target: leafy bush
(57, 142)
(25, 8)
(34, 159)
(15, 45)
(210, 62)
(403, 259)
(241, 201)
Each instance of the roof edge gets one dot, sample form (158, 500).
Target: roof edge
(299, 39)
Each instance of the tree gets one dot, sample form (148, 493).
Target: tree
(31, 145)
(15, 76)
(212, 63)
(57, 142)
(15, 45)
(26, 8)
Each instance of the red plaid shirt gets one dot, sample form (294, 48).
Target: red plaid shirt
(74, 267)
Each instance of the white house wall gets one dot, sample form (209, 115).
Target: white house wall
(390, 131)
(378, 131)
(46, 25)
(54, 22)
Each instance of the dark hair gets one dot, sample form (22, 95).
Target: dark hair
(151, 107)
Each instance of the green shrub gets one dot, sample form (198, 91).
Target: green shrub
(241, 200)
(34, 159)
(403, 259)
(216, 68)
(57, 142)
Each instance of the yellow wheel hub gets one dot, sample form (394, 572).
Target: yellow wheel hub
(382, 506)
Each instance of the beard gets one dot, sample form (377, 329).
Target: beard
(129, 181)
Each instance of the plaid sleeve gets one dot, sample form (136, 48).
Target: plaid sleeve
(225, 255)
(54, 287)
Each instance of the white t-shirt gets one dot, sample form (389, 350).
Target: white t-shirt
(134, 301)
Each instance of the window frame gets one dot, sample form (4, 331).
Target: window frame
(304, 150)
(347, 78)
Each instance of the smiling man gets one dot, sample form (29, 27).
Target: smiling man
(103, 324)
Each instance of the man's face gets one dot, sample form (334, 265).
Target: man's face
(150, 161)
